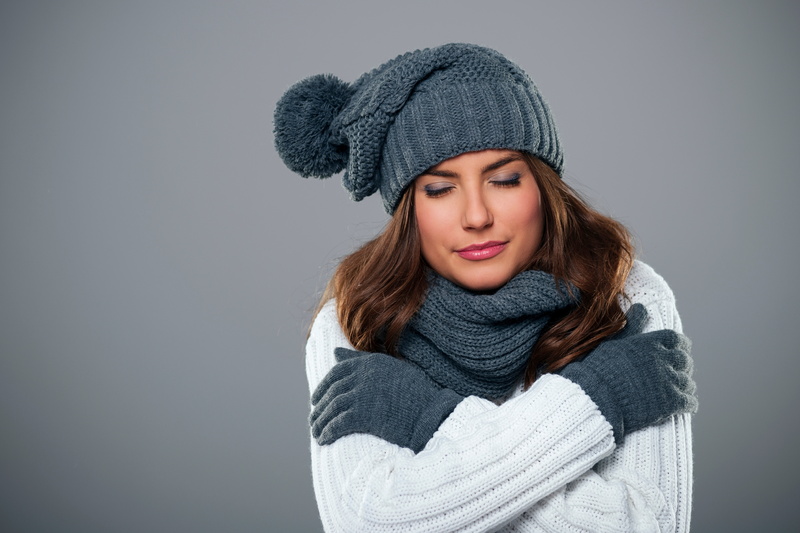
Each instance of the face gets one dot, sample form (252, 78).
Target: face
(479, 217)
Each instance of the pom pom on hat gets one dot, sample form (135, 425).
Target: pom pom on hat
(409, 114)
(305, 136)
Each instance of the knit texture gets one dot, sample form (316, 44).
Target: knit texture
(479, 344)
(544, 460)
(410, 114)
(467, 344)
(658, 376)
(381, 395)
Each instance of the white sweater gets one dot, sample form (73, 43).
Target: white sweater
(544, 460)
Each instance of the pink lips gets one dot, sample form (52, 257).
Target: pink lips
(484, 250)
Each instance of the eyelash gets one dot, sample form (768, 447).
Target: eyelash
(511, 181)
(435, 193)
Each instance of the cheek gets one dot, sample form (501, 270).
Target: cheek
(529, 219)
(432, 226)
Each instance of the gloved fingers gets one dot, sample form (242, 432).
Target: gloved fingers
(677, 341)
(678, 391)
(346, 385)
(340, 373)
(685, 344)
(678, 355)
(325, 412)
(635, 319)
(340, 426)
(683, 362)
(681, 382)
(324, 385)
(336, 428)
(320, 406)
(320, 391)
(691, 404)
(314, 418)
(660, 339)
(684, 400)
(662, 347)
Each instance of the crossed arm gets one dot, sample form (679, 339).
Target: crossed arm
(545, 460)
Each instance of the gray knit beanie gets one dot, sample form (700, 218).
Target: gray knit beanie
(410, 114)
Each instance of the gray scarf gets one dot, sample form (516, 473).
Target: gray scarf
(479, 344)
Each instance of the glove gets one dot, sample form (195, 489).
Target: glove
(637, 379)
(381, 395)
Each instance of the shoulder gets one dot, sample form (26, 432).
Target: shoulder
(325, 336)
(645, 286)
(326, 329)
(326, 317)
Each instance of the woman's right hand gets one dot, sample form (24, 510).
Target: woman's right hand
(544, 460)
(637, 379)
(381, 395)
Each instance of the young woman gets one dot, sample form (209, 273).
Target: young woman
(473, 367)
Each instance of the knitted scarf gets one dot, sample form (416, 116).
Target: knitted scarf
(479, 344)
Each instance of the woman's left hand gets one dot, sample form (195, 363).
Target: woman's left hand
(638, 379)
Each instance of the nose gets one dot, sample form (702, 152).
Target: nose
(477, 213)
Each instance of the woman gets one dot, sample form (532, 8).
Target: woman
(471, 368)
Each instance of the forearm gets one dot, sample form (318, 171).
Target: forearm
(473, 477)
(645, 485)
(484, 467)
(535, 454)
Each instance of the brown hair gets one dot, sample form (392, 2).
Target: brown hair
(380, 286)
(593, 252)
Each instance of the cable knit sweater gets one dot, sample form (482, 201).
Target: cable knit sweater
(544, 460)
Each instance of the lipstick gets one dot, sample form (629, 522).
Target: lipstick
(484, 250)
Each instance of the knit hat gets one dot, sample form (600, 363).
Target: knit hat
(410, 114)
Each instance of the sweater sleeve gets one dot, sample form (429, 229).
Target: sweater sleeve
(646, 483)
(526, 465)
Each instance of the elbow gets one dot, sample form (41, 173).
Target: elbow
(365, 500)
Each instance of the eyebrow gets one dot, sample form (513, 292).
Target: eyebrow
(484, 170)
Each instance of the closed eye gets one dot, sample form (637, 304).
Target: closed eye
(435, 190)
(506, 181)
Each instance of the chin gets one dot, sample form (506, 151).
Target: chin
(482, 283)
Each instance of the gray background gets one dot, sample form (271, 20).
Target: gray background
(158, 263)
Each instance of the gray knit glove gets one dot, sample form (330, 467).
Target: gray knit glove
(637, 379)
(381, 395)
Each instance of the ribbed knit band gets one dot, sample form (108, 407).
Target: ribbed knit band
(464, 117)
(479, 344)
(410, 114)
